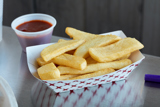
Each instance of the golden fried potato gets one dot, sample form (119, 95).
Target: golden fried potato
(64, 77)
(90, 60)
(103, 54)
(62, 40)
(71, 52)
(70, 61)
(94, 74)
(126, 56)
(48, 71)
(68, 52)
(41, 62)
(83, 49)
(95, 67)
(77, 34)
(66, 60)
(56, 49)
(116, 50)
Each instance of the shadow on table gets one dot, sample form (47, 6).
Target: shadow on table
(152, 84)
(27, 81)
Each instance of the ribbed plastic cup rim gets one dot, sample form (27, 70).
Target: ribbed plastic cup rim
(32, 15)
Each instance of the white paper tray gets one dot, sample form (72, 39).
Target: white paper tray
(33, 53)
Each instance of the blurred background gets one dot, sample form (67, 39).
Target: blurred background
(136, 18)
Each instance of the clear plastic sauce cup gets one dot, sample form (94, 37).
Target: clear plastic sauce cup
(33, 38)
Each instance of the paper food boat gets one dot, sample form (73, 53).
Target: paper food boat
(115, 94)
(33, 53)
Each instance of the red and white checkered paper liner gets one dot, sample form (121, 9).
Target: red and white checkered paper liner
(60, 86)
(114, 94)
(33, 53)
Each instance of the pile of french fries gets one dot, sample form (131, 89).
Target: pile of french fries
(85, 56)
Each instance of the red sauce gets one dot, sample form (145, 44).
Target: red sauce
(34, 26)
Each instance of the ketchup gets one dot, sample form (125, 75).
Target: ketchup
(34, 26)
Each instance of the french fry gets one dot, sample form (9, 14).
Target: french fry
(95, 67)
(41, 62)
(77, 34)
(64, 77)
(126, 56)
(90, 60)
(69, 71)
(71, 52)
(103, 54)
(94, 74)
(68, 52)
(114, 64)
(70, 61)
(104, 40)
(56, 49)
(62, 40)
(116, 50)
(48, 71)
(66, 60)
